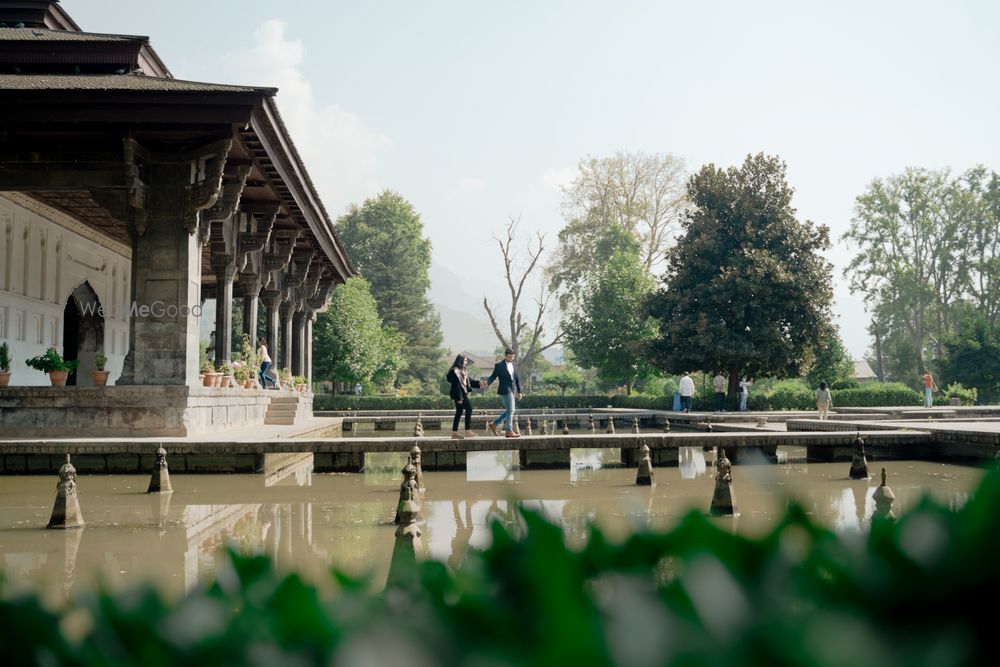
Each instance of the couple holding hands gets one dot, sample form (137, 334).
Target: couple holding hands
(461, 384)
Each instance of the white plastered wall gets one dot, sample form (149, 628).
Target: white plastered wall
(44, 256)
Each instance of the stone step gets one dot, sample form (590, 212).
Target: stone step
(279, 421)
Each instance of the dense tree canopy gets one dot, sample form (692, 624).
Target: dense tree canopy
(745, 290)
(384, 239)
(349, 342)
(608, 331)
(830, 362)
(928, 251)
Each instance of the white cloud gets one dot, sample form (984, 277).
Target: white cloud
(339, 150)
(556, 179)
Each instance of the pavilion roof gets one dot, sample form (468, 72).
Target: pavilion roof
(28, 34)
(116, 82)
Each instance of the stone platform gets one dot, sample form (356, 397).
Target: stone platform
(133, 411)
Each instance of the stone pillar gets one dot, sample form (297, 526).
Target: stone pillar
(310, 318)
(273, 324)
(225, 272)
(286, 312)
(250, 313)
(164, 216)
(299, 343)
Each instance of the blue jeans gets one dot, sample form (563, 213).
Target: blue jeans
(928, 397)
(743, 401)
(264, 365)
(508, 412)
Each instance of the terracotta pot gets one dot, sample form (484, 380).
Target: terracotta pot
(58, 378)
(208, 380)
(4, 379)
(226, 380)
(100, 378)
(218, 380)
(248, 384)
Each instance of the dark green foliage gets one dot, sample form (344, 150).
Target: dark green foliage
(830, 363)
(349, 342)
(609, 329)
(870, 394)
(746, 289)
(905, 593)
(972, 357)
(384, 239)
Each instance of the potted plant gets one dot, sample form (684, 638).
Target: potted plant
(100, 375)
(285, 378)
(300, 383)
(207, 373)
(241, 372)
(52, 363)
(227, 374)
(4, 365)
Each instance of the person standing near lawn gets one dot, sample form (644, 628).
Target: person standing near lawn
(686, 389)
(744, 393)
(720, 391)
(929, 388)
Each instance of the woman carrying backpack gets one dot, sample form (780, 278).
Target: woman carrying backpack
(461, 384)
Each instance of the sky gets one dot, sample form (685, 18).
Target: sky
(476, 111)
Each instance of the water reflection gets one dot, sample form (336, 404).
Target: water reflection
(585, 461)
(691, 462)
(492, 466)
(345, 520)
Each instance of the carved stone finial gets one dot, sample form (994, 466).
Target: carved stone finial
(666, 426)
(644, 473)
(565, 428)
(528, 429)
(723, 500)
(545, 426)
(883, 498)
(415, 460)
(611, 424)
(408, 509)
(593, 426)
(159, 481)
(859, 464)
(635, 424)
(418, 428)
(66, 510)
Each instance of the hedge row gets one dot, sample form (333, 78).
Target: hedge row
(868, 395)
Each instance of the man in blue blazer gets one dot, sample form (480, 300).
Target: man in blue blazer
(509, 382)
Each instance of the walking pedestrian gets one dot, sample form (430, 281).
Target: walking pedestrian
(824, 400)
(506, 372)
(461, 384)
(265, 363)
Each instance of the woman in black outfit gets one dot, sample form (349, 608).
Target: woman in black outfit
(460, 385)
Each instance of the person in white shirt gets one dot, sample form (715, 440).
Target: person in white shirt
(745, 385)
(686, 390)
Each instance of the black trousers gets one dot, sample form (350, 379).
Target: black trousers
(465, 406)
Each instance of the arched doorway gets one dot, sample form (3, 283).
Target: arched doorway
(83, 332)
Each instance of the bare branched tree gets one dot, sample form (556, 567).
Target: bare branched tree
(523, 336)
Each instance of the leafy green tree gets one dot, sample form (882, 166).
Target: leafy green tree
(639, 194)
(830, 362)
(349, 342)
(972, 357)
(746, 289)
(928, 248)
(610, 328)
(564, 376)
(384, 239)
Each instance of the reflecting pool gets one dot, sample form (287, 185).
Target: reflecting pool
(310, 522)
